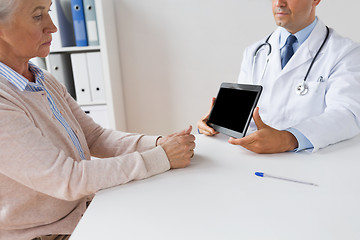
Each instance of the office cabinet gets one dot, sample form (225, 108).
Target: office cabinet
(94, 69)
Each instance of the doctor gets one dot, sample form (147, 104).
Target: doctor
(311, 81)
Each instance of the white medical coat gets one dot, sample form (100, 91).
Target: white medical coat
(330, 111)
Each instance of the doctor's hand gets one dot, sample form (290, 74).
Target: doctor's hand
(201, 124)
(266, 139)
(179, 147)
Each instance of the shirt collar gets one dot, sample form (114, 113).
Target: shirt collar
(17, 79)
(301, 35)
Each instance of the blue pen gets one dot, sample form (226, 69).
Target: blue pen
(260, 174)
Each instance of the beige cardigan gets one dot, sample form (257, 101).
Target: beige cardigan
(44, 185)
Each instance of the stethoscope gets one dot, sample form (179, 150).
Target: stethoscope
(302, 88)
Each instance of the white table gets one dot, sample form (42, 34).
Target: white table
(219, 197)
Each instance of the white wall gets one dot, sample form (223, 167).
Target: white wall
(175, 53)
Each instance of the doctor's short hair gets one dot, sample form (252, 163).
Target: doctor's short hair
(7, 7)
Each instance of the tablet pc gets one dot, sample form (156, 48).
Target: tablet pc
(233, 108)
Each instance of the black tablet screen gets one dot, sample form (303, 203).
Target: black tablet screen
(232, 108)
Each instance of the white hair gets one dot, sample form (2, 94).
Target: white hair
(7, 7)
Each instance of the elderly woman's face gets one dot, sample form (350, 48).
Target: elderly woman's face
(28, 33)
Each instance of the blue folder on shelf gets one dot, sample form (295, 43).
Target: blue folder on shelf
(65, 22)
(91, 23)
(79, 23)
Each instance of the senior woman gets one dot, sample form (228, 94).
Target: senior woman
(46, 140)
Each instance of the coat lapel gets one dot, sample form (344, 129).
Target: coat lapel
(307, 50)
(274, 59)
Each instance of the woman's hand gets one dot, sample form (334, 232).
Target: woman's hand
(179, 147)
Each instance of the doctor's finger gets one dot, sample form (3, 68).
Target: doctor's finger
(210, 132)
(249, 142)
(242, 141)
(257, 119)
(211, 107)
(206, 117)
(213, 99)
(205, 129)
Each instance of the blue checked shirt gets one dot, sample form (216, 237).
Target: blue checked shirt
(23, 84)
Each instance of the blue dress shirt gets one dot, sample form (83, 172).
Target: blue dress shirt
(301, 36)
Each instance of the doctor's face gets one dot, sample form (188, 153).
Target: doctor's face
(294, 15)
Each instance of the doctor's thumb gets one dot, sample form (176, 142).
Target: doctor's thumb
(257, 119)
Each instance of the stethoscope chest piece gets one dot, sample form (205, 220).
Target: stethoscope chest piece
(302, 89)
